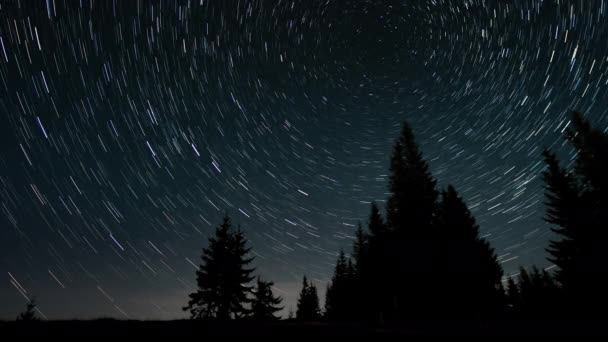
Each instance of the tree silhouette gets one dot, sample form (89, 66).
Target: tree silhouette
(466, 257)
(401, 266)
(265, 304)
(223, 277)
(29, 315)
(360, 250)
(566, 211)
(339, 298)
(377, 228)
(410, 210)
(377, 299)
(413, 198)
(308, 304)
(577, 210)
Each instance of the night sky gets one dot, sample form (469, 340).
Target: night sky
(129, 127)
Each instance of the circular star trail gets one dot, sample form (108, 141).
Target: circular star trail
(130, 127)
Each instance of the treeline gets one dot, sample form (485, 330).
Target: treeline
(423, 260)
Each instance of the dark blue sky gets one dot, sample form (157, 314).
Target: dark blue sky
(130, 127)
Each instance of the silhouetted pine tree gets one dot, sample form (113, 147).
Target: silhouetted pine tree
(360, 250)
(411, 210)
(477, 292)
(378, 294)
(265, 304)
(223, 277)
(370, 256)
(350, 271)
(378, 231)
(360, 275)
(411, 205)
(29, 314)
(565, 211)
(577, 209)
(339, 296)
(308, 308)
(591, 164)
(353, 293)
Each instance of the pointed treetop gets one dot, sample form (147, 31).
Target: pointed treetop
(591, 145)
(413, 193)
(226, 220)
(407, 140)
(308, 303)
(376, 223)
(223, 277)
(360, 247)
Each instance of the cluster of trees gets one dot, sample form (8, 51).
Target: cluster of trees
(425, 260)
(224, 277)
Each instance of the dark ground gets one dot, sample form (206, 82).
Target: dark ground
(287, 329)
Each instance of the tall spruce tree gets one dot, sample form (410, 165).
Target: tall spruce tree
(222, 277)
(339, 296)
(413, 195)
(308, 308)
(377, 228)
(264, 304)
(360, 251)
(378, 290)
(411, 209)
(577, 210)
(476, 291)
(370, 269)
(565, 212)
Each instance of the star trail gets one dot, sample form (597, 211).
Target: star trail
(130, 127)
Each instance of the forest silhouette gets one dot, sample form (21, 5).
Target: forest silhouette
(422, 260)
(420, 265)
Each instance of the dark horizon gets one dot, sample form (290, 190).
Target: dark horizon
(131, 127)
